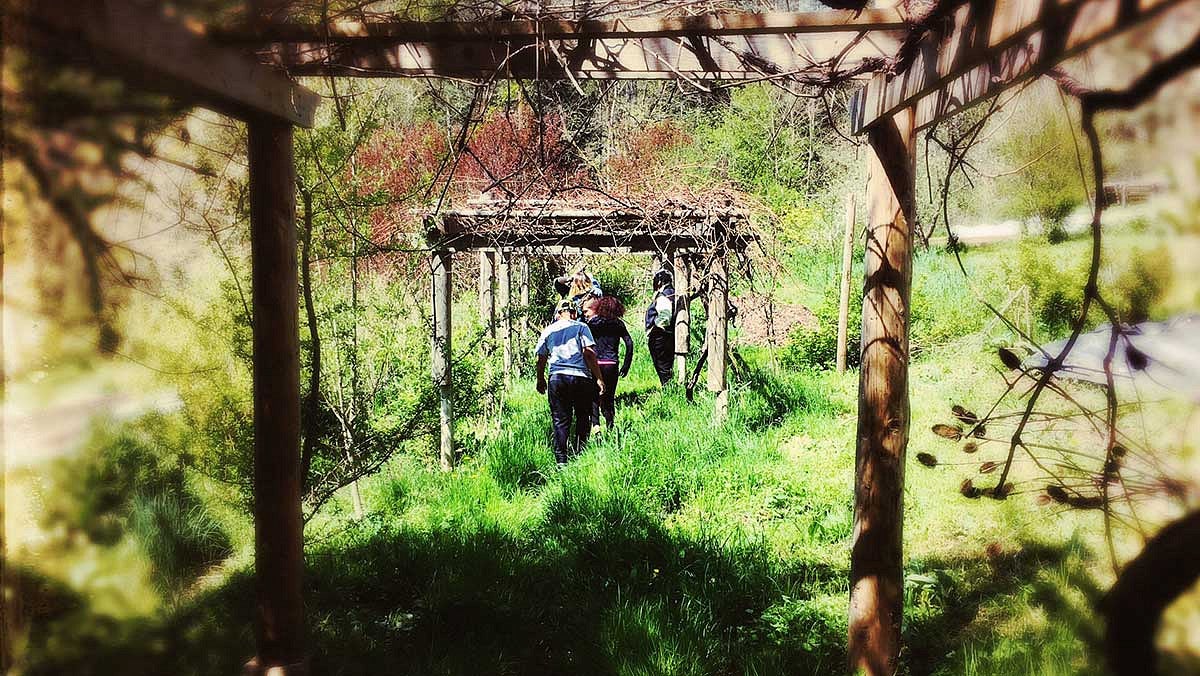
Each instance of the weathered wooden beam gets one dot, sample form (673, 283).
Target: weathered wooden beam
(155, 49)
(718, 335)
(705, 58)
(683, 313)
(278, 530)
(723, 24)
(844, 300)
(549, 243)
(442, 355)
(524, 325)
(876, 558)
(504, 310)
(989, 46)
(487, 291)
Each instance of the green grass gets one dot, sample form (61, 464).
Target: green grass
(670, 546)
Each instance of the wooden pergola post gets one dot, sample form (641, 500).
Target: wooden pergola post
(487, 285)
(876, 558)
(525, 327)
(718, 335)
(442, 376)
(847, 271)
(683, 312)
(504, 310)
(278, 529)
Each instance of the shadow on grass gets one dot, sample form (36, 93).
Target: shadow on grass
(598, 587)
(1035, 598)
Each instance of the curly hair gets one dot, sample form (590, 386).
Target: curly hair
(608, 307)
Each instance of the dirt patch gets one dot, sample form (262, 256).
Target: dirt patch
(762, 320)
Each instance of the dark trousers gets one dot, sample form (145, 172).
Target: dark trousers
(571, 400)
(662, 352)
(605, 403)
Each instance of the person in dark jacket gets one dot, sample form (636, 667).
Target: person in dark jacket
(604, 319)
(660, 325)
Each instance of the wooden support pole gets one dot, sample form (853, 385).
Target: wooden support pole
(487, 291)
(504, 310)
(278, 530)
(442, 373)
(656, 263)
(683, 313)
(876, 558)
(718, 335)
(847, 271)
(523, 295)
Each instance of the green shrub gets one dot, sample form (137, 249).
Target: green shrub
(132, 479)
(179, 536)
(1055, 284)
(817, 348)
(1140, 286)
(92, 493)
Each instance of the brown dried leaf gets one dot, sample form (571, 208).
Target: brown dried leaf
(988, 467)
(951, 432)
(970, 447)
(927, 459)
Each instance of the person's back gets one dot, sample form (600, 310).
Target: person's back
(609, 334)
(566, 348)
(562, 343)
(660, 326)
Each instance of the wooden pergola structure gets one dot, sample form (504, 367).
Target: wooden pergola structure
(965, 51)
(692, 242)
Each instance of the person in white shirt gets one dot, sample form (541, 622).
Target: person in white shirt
(567, 349)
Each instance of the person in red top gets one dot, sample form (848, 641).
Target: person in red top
(603, 316)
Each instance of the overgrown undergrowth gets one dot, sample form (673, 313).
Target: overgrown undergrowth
(670, 546)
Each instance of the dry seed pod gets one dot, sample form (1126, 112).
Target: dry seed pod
(1057, 493)
(1119, 451)
(988, 467)
(970, 447)
(1043, 500)
(979, 432)
(1009, 359)
(951, 432)
(927, 459)
(1003, 492)
(964, 416)
(1138, 361)
(968, 489)
(1086, 502)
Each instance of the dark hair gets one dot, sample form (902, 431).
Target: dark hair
(608, 307)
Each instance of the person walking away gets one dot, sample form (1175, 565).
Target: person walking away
(567, 349)
(578, 288)
(660, 326)
(603, 317)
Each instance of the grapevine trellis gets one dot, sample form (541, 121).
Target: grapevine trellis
(920, 66)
